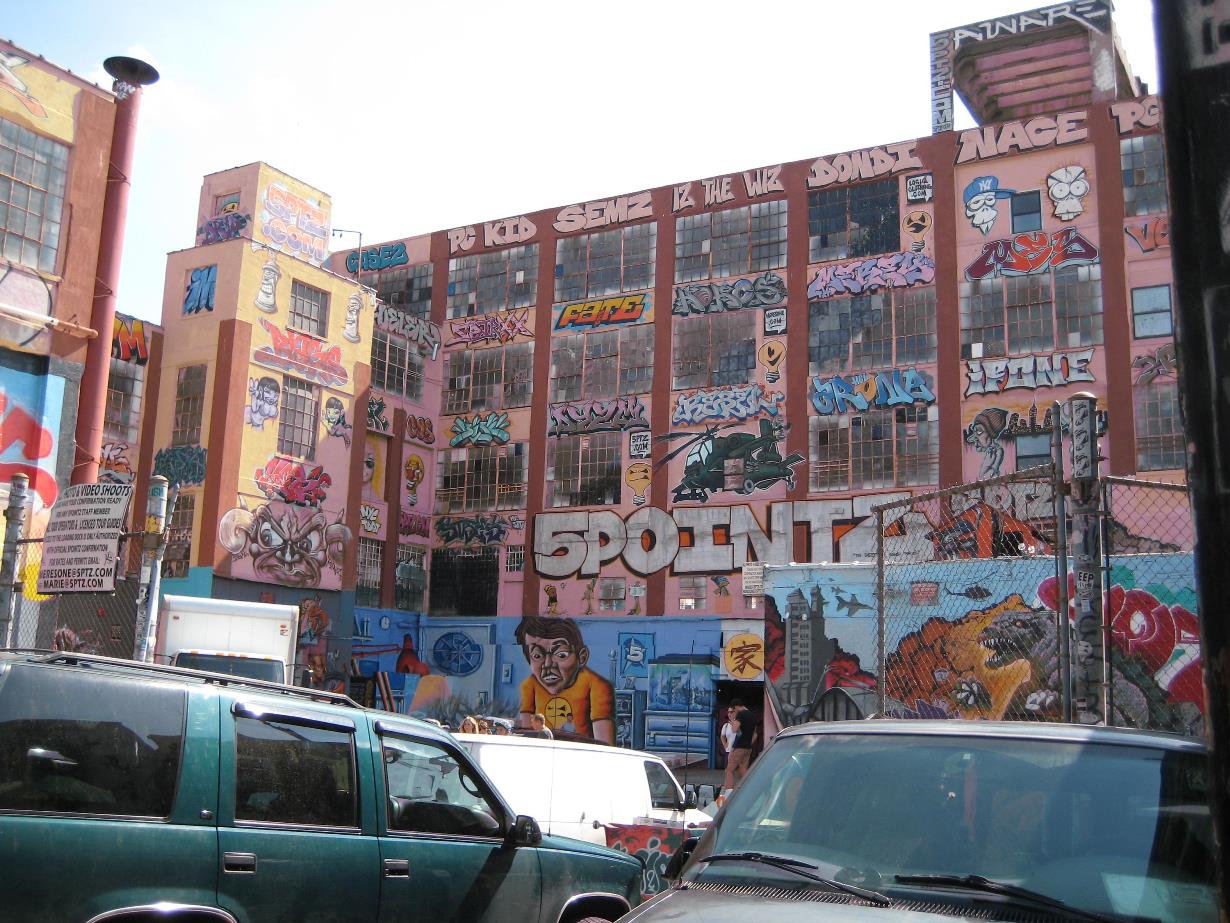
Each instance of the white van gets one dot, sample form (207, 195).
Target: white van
(571, 787)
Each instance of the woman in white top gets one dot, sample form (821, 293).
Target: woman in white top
(729, 733)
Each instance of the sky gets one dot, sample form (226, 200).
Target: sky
(425, 115)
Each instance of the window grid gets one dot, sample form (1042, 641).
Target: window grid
(871, 332)
(406, 288)
(125, 389)
(730, 242)
(1036, 312)
(309, 309)
(299, 418)
(189, 405)
(177, 557)
(411, 577)
(1150, 312)
(585, 470)
(33, 177)
(1078, 306)
(1143, 161)
(612, 593)
(488, 282)
(1032, 451)
(514, 559)
(1030, 313)
(367, 578)
(397, 368)
(895, 447)
(605, 263)
(712, 350)
(500, 377)
(1026, 212)
(482, 478)
(692, 590)
(860, 220)
(602, 364)
(830, 453)
(1159, 428)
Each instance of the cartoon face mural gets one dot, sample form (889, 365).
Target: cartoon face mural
(916, 224)
(980, 198)
(1067, 188)
(638, 477)
(350, 330)
(288, 545)
(264, 393)
(267, 295)
(985, 434)
(335, 420)
(414, 471)
(560, 686)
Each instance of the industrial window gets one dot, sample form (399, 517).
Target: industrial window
(1150, 312)
(33, 173)
(1159, 429)
(895, 447)
(1143, 161)
(1032, 451)
(367, 578)
(1031, 313)
(860, 220)
(482, 478)
(299, 418)
(692, 591)
(397, 368)
(514, 559)
(465, 581)
(497, 378)
(309, 309)
(189, 405)
(712, 350)
(125, 388)
(488, 282)
(287, 772)
(594, 265)
(177, 558)
(585, 470)
(612, 592)
(731, 242)
(411, 577)
(1026, 212)
(602, 364)
(406, 288)
(876, 331)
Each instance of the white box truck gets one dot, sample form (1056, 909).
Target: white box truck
(253, 640)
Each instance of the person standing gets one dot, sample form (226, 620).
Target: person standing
(729, 732)
(538, 727)
(741, 750)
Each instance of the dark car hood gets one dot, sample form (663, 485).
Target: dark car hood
(696, 906)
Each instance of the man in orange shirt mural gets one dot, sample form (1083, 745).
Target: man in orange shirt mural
(560, 686)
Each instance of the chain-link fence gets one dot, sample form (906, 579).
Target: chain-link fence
(971, 581)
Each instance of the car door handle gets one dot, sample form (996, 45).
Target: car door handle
(239, 863)
(396, 868)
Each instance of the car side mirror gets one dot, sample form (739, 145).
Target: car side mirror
(680, 858)
(524, 831)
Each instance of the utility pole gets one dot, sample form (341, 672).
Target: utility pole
(1089, 679)
(151, 564)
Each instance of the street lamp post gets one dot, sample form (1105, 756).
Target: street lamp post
(358, 267)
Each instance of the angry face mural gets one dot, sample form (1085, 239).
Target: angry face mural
(287, 545)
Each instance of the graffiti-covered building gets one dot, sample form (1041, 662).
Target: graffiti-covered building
(585, 421)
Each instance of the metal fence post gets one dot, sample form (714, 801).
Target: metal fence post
(147, 592)
(880, 605)
(1089, 681)
(15, 521)
(1059, 498)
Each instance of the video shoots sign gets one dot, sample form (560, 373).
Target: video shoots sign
(83, 539)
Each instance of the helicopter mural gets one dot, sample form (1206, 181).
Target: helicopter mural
(738, 462)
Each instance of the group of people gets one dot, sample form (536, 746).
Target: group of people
(739, 737)
(472, 724)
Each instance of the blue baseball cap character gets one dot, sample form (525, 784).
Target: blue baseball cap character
(980, 197)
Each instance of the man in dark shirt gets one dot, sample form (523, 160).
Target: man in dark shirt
(745, 740)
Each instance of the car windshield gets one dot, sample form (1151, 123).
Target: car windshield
(1121, 830)
(245, 667)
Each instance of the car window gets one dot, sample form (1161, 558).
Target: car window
(291, 773)
(432, 791)
(663, 792)
(85, 743)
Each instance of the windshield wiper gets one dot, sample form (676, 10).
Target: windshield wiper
(990, 886)
(802, 869)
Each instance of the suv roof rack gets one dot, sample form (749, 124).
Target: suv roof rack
(219, 679)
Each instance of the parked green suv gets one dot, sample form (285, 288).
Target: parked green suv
(131, 792)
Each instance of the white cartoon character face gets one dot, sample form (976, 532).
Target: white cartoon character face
(351, 328)
(1067, 188)
(980, 197)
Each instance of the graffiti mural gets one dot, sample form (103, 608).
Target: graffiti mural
(267, 294)
(378, 258)
(264, 395)
(590, 215)
(1161, 362)
(495, 234)
(1067, 188)
(869, 163)
(369, 519)
(419, 331)
(222, 227)
(287, 544)
(739, 462)
(113, 464)
(896, 270)
(302, 355)
(1037, 133)
(1150, 233)
(560, 685)
(980, 197)
(479, 430)
(334, 418)
(771, 355)
(377, 419)
(30, 407)
(640, 444)
(917, 224)
(413, 524)
(421, 429)
(615, 414)
(1131, 114)
(736, 402)
(496, 327)
(350, 327)
(991, 427)
(29, 93)
(715, 297)
(867, 391)
(603, 312)
(476, 530)
(129, 341)
(293, 482)
(182, 465)
(413, 472)
(294, 224)
(1033, 251)
(993, 376)
(638, 477)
